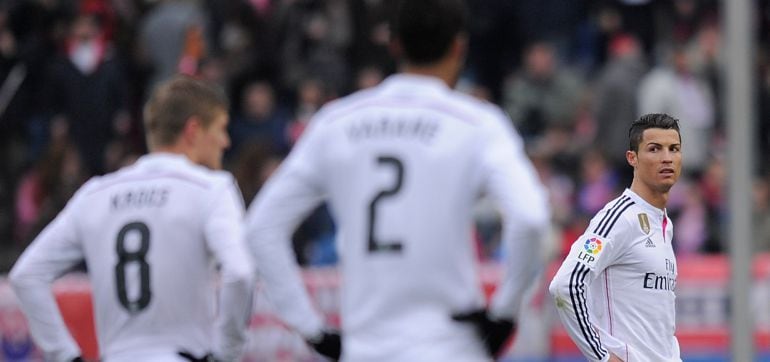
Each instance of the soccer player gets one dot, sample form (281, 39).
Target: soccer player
(615, 290)
(149, 235)
(400, 166)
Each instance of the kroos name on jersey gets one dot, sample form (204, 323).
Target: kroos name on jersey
(150, 197)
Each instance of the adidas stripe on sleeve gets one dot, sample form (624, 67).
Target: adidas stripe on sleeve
(589, 256)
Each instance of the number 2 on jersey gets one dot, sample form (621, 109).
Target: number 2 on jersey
(125, 258)
(374, 244)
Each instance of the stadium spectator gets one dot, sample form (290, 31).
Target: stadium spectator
(87, 87)
(168, 30)
(261, 118)
(598, 182)
(687, 208)
(761, 216)
(334, 42)
(543, 94)
(45, 188)
(673, 88)
(311, 94)
(150, 235)
(255, 163)
(368, 76)
(315, 37)
(712, 187)
(400, 166)
(615, 98)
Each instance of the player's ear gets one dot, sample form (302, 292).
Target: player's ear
(631, 158)
(191, 129)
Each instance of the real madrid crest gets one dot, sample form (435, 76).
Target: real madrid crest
(644, 222)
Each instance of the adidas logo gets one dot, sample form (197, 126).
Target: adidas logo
(649, 243)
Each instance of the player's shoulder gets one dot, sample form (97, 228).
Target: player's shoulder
(466, 100)
(461, 105)
(98, 182)
(94, 184)
(217, 183)
(487, 116)
(175, 169)
(485, 113)
(208, 178)
(343, 105)
(614, 219)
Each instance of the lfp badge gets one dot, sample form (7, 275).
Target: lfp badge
(591, 248)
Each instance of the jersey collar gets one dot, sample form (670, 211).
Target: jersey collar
(644, 204)
(162, 160)
(405, 85)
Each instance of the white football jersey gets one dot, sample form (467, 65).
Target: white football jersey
(615, 290)
(401, 166)
(151, 236)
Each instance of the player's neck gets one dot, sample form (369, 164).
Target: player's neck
(176, 149)
(654, 198)
(442, 71)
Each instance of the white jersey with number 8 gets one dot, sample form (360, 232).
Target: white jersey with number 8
(151, 236)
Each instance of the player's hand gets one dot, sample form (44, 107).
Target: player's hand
(614, 358)
(494, 332)
(207, 358)
(328, 344)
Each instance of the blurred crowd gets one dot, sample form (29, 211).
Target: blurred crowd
(571, 74)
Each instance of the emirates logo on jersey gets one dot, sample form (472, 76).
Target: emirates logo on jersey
(593, 246)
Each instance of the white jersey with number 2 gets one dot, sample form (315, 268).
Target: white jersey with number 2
(401, 166)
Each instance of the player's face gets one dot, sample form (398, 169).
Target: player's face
(658, 162)
(213, 141)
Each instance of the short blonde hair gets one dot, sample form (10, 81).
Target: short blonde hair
(173, 102)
